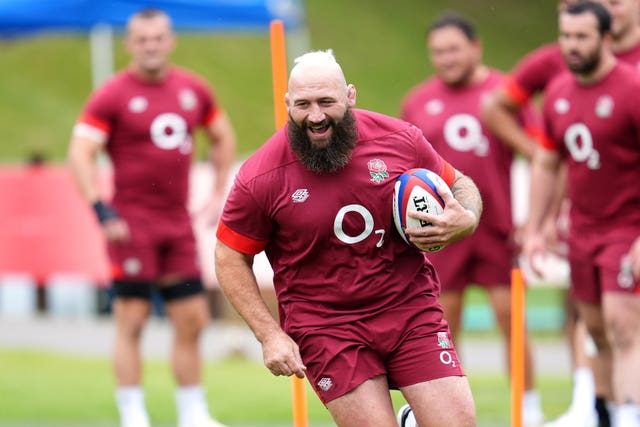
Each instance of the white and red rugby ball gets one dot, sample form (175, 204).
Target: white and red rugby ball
(415, 190)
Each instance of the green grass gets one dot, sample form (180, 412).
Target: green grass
(51, 390)
(380, 43)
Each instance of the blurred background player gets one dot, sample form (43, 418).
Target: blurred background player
(447, 109)
(359, 312)
(593, 126)
(528, 79)
(144, 118)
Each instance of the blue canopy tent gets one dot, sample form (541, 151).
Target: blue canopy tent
(101, 18)
(20, 17)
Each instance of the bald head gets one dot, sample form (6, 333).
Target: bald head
(317, 66)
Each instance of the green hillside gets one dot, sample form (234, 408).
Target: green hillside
(380, 43)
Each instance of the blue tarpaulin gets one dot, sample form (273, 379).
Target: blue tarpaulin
(25, 17)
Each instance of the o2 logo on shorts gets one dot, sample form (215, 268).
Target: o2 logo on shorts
(169, 131)
(447, 359)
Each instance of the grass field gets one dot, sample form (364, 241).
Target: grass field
(50, 390)
(380, 43)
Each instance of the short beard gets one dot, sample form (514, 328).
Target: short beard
(335, 155)
(588, 66)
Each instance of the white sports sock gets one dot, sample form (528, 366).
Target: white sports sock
(191, 405)
(531, 408)
(627, 415)
(584, 391)
(531, 399)
(131, 406)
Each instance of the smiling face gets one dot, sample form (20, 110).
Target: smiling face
(322, 127)
(453, 55)
(317, 100)
(150, 42)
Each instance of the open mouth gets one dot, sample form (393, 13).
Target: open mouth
(319, 129)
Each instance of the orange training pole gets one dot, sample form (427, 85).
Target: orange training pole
(517, 345)
(278, 72)
(279, 77)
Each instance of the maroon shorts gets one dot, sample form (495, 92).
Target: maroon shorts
(409, 345)
(483, 259)
(157, 247)
(595, 259)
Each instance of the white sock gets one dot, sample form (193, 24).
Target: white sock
(191, 405)
(584, 391)
(130, 402)
(627, 415)
(531, 407)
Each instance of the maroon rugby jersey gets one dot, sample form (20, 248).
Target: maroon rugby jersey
(597, 129)
(330, 237)
(148, 130)
(450, 119)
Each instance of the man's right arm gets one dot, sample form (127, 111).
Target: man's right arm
(81, 157)
(545, 172)
(499, 113)
(238, 282)
(82, 160)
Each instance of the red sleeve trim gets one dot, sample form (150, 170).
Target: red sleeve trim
(448, 173)
(542, 139)
(535, 132)
(211, 116)
(95, 122)
(239, 242)
(546, 142)
(516, 92)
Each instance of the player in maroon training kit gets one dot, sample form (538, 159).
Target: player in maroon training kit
(446, 107)
(593, 126)
(359, 311)
(144, 118)
(529, 78)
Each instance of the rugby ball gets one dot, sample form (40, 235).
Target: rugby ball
(415, 190)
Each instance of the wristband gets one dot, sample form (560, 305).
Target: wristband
(104, 212)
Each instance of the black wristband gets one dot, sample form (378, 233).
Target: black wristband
(104, 212)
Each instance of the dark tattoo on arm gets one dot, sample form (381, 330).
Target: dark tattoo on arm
(466, 193)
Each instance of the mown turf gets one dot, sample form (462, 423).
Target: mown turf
(51, 390)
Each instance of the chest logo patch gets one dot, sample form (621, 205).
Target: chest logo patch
(377, 170)
(434, 107)
(300, 195)
(138, 104)
(604, 106)
(187, 99)
(561, 106)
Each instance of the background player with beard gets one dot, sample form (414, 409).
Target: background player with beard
(529, 78)
(144, 118)
(447, 108)
(592, 126)
(358, 307)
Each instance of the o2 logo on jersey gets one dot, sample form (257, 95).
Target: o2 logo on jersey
(169, 131)
(463, 132)
(366, 232)
(579, 142)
